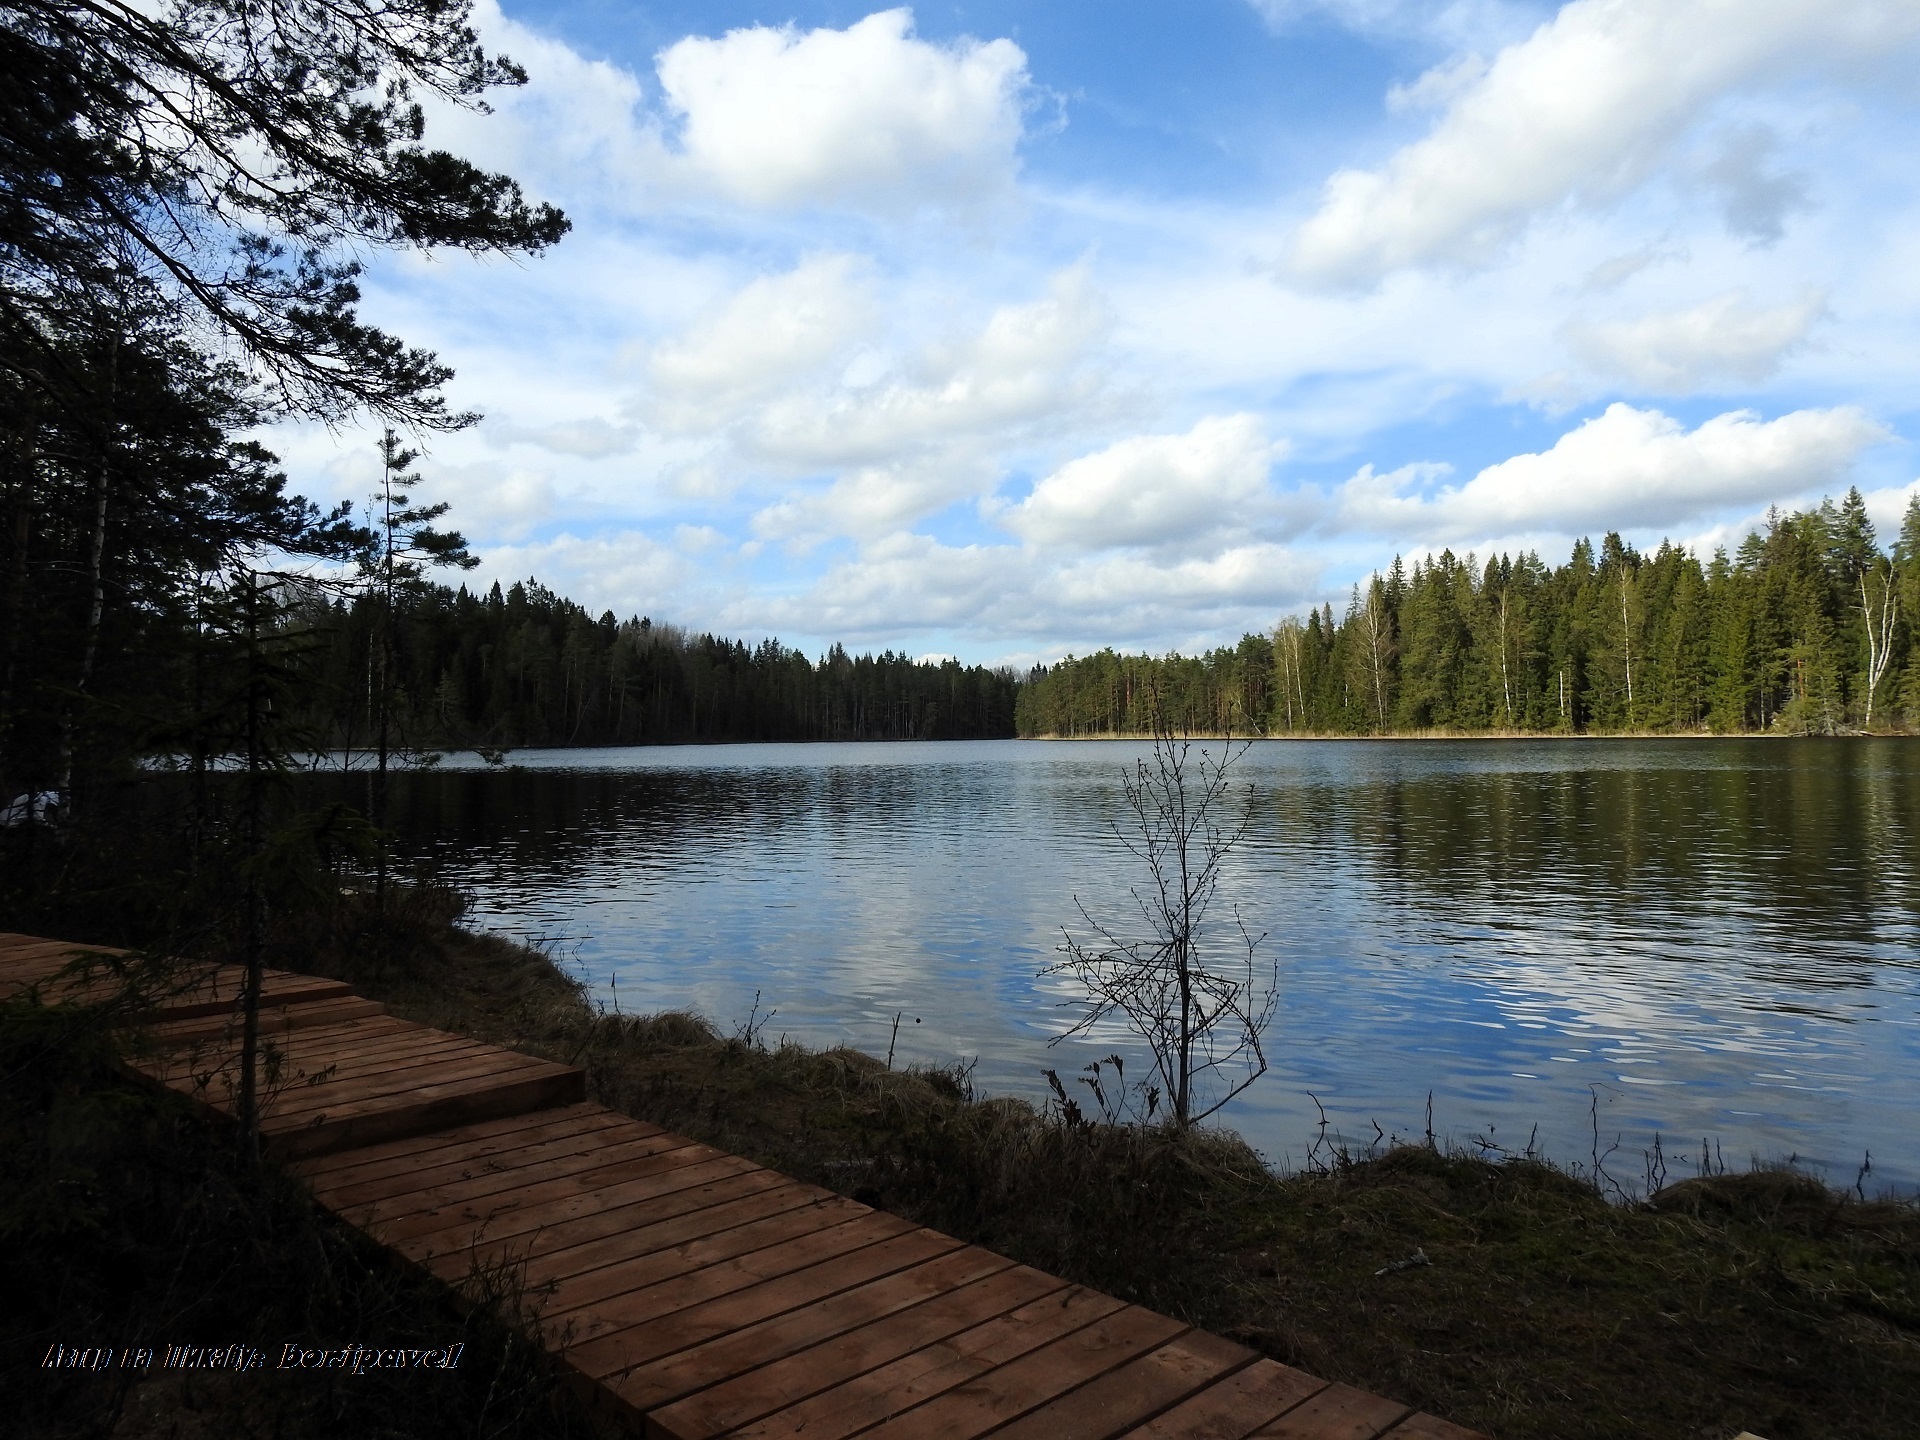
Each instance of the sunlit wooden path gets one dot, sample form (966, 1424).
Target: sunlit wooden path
(694, 1294)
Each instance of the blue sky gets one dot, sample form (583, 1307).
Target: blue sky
(1007, 330)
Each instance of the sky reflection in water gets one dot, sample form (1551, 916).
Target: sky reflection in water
(1718, 937)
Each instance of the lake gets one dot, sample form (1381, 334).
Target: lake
(1701, 939)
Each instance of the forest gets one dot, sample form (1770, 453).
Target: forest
(1806, 629)
(527, 667)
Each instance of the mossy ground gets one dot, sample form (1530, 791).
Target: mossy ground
(1762, 1301)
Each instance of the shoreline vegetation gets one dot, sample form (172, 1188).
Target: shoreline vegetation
(1521, 1297)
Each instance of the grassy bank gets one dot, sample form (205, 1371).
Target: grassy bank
(1761, 1301)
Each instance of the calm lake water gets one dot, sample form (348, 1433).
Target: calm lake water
(1716, 939)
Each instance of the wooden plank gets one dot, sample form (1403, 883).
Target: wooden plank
(365, 1044)
(737, 1379)
(616, 1296)
(366, 1041)
(1421, 1426)
(307, 1088)
(572, 1143)
(1235, 1407)
(468, 1141)
(320, 1084)
(460, 1231)
(661, 1335)
(27, 964)
(1021, 1385)
(1338, 1412)
(303, 1069)
(428, 1086)
(562, 1173)
(434, 1108)
(552, 1256)
(27, 950)
(275, 1021)
(328, 1086)
(894, 1389)
(1125, 1398)
(614, 1259)
(641, 1226)
(213, 1043)
(467, 1204)
(292, 990)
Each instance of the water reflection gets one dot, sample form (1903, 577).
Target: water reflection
(1716, 938)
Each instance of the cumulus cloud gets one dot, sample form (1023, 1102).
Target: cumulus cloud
(1025, 364)
(1580, 110)
(875, 499)
(577, 127)
(776, 332)
(1256, 573)
(628, 572)
(1625, 469)
(783, 117)
(905, 583)
(790, 382)
(1152, 490)
(1725, 338)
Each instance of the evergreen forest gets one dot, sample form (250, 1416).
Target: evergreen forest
(527, 667)
(1806, 629)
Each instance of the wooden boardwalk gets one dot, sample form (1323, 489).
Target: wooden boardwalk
(693, 1294)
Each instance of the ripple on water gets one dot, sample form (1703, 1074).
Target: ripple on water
(1697, 938)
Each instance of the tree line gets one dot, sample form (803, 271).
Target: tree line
(1808, 627)
(523, 666)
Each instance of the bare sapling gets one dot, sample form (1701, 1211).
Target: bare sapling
(1194, 990)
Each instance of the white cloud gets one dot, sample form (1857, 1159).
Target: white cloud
(1579, 111)
(590, 439)
(627, 572)
(906, 583)
(1624, 469)
(1257, 573)
(1721, 339)
(782, 117)
(1152, 490)
(776, 332)
(577, 128)
(875, 499)
(1025, 364)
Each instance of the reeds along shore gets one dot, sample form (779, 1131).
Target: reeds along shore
(1546, 1304)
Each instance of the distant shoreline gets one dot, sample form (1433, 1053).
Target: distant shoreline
(1481, 735)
